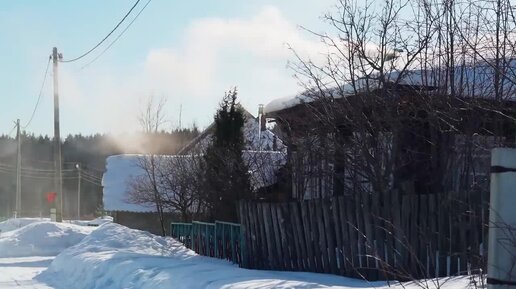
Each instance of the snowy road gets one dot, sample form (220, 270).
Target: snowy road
(19, 272)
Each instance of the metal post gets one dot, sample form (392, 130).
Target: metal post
(58, 181)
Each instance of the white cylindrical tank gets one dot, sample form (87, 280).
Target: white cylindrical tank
(501, 264)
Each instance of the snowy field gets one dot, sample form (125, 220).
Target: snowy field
(114, 256)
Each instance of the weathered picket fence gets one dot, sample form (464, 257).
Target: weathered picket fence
(365, 236)
(221, 240)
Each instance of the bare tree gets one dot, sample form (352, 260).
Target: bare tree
(182, 184)
(147, 188)
(409, 99)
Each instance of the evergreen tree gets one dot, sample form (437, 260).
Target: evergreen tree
(226, 174)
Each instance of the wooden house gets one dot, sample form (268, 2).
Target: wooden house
(410, 133)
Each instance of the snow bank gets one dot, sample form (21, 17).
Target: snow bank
(40, 238)
(13, 224)
(95, 222)
(114, 256)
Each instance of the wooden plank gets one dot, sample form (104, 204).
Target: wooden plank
(277, 238)
(474, 229)
(378, 216)
(260, 232)
(337, 227)
(286, 234)
(351, 209)
(398, 235)
(244, 231)
(255, 235)
(369, 234)
(266, 213)
(346, 243)
(405, 233)
(315, 236)
(424, 223)
(464, 242)
(359, 226)
(330, 235)
(433, 234)
(368, 228)
(322, 235)
(299, 236)
(414, 238)
(306, 225)
(389, 233)
(260, 227)
(444, 235)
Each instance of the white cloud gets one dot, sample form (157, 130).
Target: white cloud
(213, 55)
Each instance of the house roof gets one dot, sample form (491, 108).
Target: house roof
(470, 81)
(254, 141)
(121, 169)
(116, 184)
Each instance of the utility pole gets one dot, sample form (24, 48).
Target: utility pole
(18, 171)
(78, 191)
(180, 115)
(58, 181)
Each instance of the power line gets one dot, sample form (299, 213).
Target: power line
(39, 95)
(93, 182)
(5, 166)
(118, 37)
(12, 130)
(35, 176)
(104, 39)
(91, 176)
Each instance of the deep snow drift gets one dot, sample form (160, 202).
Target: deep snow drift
(114, 256)
(39, 238)
(13, 224)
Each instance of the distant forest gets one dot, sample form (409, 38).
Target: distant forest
(89, 152)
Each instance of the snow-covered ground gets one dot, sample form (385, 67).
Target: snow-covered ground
(114, 256)
(20, 272)
(41, 239)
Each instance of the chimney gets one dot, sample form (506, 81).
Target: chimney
(261, 117)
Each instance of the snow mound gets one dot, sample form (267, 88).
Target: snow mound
(114, 256)
(41, 239)
(95, 222)
(13, 224)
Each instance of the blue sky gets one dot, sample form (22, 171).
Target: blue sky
(189, 52)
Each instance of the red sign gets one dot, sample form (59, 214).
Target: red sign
(51, 197)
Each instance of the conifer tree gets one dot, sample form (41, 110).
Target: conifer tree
(226, 174)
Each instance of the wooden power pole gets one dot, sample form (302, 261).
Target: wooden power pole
(18, 170)
(58, 181)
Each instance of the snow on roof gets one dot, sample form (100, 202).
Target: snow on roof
(291, 101)
(120, 169)
(470, 81)
(255, 139)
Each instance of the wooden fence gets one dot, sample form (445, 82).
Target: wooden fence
(365, 236)
(221, 240)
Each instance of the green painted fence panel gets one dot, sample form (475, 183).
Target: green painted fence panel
(221, 240)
